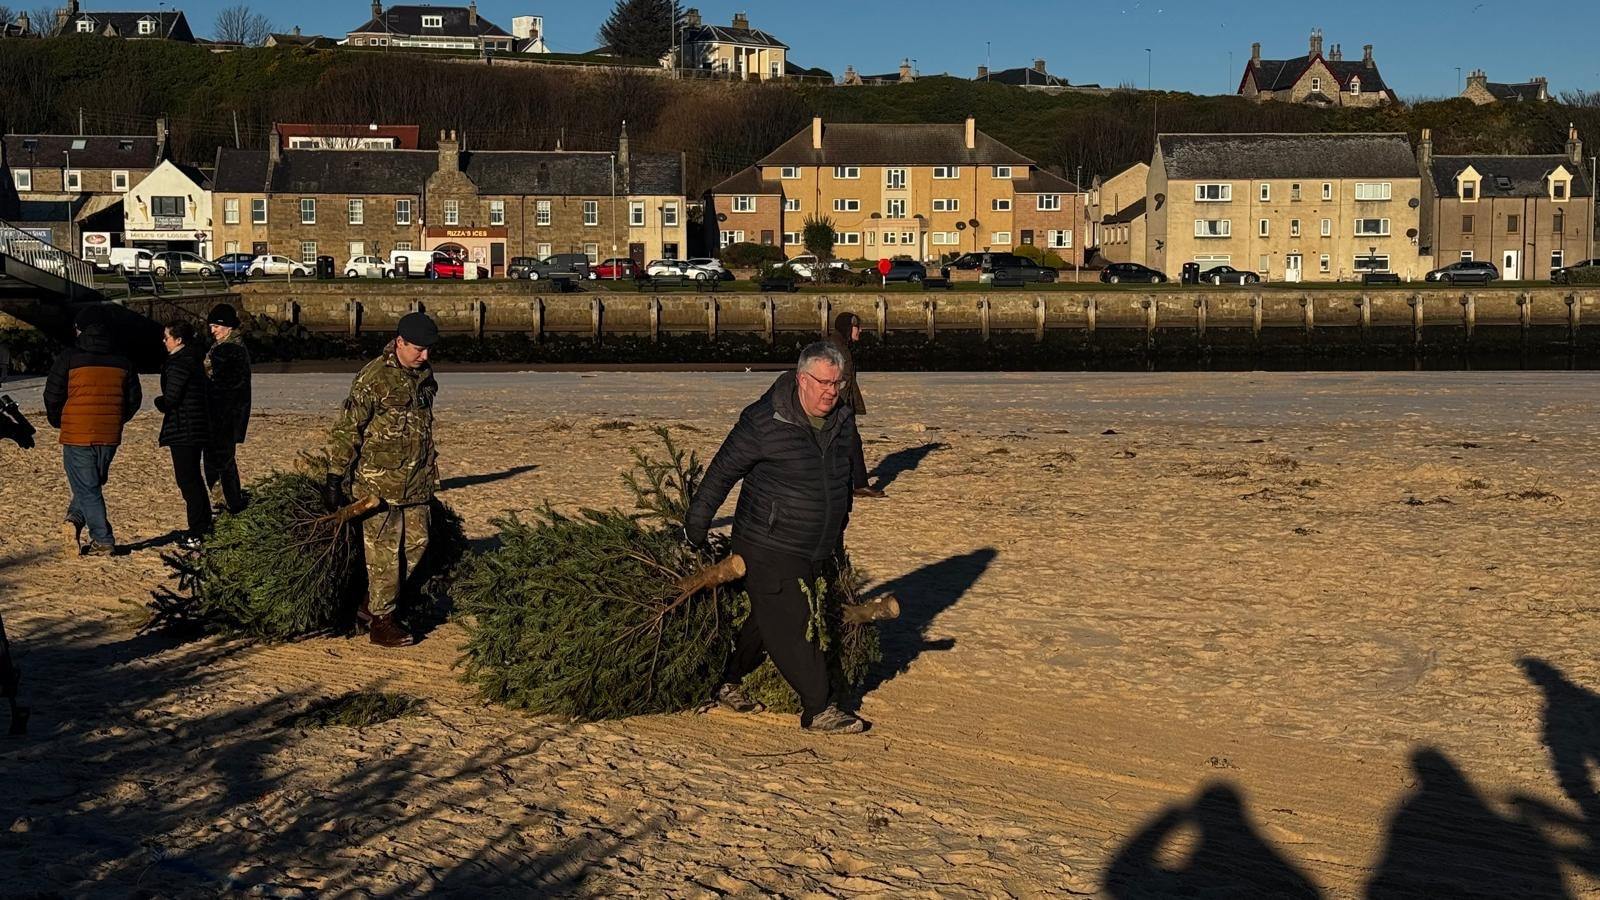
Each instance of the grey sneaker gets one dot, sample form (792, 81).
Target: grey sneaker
(834, 720)
(96, 548)
(729, 696)
(191, 543)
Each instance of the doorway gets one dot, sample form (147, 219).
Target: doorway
(1509, 271)
(1292, 267)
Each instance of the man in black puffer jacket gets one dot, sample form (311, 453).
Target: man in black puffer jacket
(792, 448)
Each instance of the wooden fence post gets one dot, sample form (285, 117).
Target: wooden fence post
(769, 319)
(1255, 318)
(983, 318)
(928, 307)
(1038, 320)
(1469, 314)
(480, 318)
(597, 311)
(825, 308)
(881, 306)
(1200, 311)
(713, 308)
(1524, 315)
(1309, 314)
(1091, 315)
(1574, 313)
(355, 318)
(655, 319)
(1149, 304)
(1364, 309)
(538, 320)
(1416, 301)
(291, 312)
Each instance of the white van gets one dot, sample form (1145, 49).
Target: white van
(416, 263)
(130, 259)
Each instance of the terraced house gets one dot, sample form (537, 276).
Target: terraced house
(1525, 214)
(898, 190)
(73, 185)
(1293, 207)
(491, 204)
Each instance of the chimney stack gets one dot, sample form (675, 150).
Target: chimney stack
(1336, 54)
(472, 13)
(816, 132)
(624, 170)
(1316, 42)
(1425, 152)
(983, 73)
(297, 31)
(1366, 57)
(1477, 78)
(449, 152)
(161, 137)
(1038, 66)
(972, 133)
(1575, 147)
(905, 70)
(741, 20)
(691, 18)
(274, 151)
(1255, 52)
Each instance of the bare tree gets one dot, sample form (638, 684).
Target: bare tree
(42, 18)
(242, 24)
(7, 14)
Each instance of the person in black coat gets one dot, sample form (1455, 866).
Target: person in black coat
(792, 449)
(846, 331)
(186, 424)
(227, 369)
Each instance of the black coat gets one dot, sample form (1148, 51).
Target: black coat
(796, 493)
(228, 379)
(840, 339)
(186, 420)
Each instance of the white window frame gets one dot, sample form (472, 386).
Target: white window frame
(947, 204)
(946, 238)
(402, 245)
(591, 213)
(497, 212)
(1049, 203)
(357, 211)
(543, 250)
(593, 252)
(732, 236)
(890, 238)
(895, 208)
(1355, 85)
(23, 179)
(789, 173)
(119, 181)
(1557, 258)
(846, 204)
(1000, 239)
(1468, 189)
(73, 180)
(258, 211)
(541, 213)
(847, 173)
(1325, 263)
(1327, 190)
(790, 238)
(1316, 83)
(1359, 257)
(1327, 228)
(1263, 228)
(1059, 238)
(402, 212)
(308, 210)
(1466, 256)
(635, 214)
(669, 214)
(1294, 228)
(308, 253)
(1266, 193)
(1000, 204)
(1223, 193)
(1373, 190)
(1558, 190)
(85, 26)
(146, 27)
(791, 204)
(230, 211)
(433, 21)
(946, 173)
(1383, 226)
(894, 179)
(452, 212)
(847, 238)
(872, 238)
(1002, 172)
(1213, 228)
(230, 248)
(1294, 192)
(744, 203)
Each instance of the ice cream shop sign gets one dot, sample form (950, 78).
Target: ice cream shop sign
(484, 246)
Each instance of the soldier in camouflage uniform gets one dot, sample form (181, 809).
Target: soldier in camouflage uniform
(383, 448)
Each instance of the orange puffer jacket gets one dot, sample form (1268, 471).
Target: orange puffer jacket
(91, 392)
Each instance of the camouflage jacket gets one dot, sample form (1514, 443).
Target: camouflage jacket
(383, 443)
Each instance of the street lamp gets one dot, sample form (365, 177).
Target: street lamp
(1458, 79)
(1149, 66)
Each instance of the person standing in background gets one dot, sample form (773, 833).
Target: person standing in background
(846, 331)
(227, 371)
(186, 425)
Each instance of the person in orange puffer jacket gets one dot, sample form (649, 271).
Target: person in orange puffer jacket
(90, 393)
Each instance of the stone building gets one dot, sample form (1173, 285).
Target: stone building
(152, 25)
(1292, 207)
(1315, 79)
(78, 181)
(1525, 214)
(1482, 91)
(1116, 214)
(431, 27)
(737, 50)
(898, 190)
(170, 209)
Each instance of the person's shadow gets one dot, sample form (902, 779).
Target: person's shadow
(1572, 733)
(461, 481)
(892, 466)
(1446, 841)
(923, 595)
(1229, 858)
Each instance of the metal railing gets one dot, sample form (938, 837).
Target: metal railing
(27, 248)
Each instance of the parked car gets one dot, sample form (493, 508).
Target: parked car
(176, 262)
(234, 265)
(414, 263)
(1560, 275)
(520, 266)
(446, 266)
(984, 261)
(1228, 275)
(614, 268)
(656, 268)
(712, 265)
(906, 270)
(130, 259)
(273, 264)
(1464, 270)
(806, 266)
(366, 267)
(1023, 268)
(1116, 273)
(573, 264)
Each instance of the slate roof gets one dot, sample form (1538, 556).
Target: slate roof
(1025, 76)
(39, 211)
(726, 34)
(1283, 74)
(314, 41)
(1127, 214)
(353, 171)
(1190, 157)
(570, 173)
(172, 25)
(98, 151)
(194, 174)
(406, 137)
(748, 181)
(240, 171)
(1527, 91)
(1526, 174)
(1038, 181)
(845, 144)
(407, 20)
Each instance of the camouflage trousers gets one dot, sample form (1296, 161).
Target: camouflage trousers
(394, 541)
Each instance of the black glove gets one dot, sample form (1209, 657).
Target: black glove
(161, 404)
(333, 489)
(694, 537)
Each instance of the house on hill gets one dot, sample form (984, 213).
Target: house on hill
(1316, 79)
(431, 27)
(1035, 76)
(1482, 91)
(735, 49)
(164, 24)
(296, 39)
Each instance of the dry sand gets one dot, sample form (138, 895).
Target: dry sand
(1276, 635)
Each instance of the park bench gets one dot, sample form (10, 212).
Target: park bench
(1380, 278)
(785, 285)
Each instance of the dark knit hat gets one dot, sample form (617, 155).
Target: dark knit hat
(223, 314)
(418, 329)
(91, 317)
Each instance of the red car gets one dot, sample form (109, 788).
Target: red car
(446, 266)
(616, 267)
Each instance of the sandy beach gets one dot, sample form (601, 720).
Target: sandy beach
(1227, 635)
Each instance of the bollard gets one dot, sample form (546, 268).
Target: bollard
(769, 319)
(597, 313)
(1469, 314)
(825, 308)
(1525, 316)
(983, 318)
(1091, 314)
(1038, 320)
(1574, 309)
(881, 307)
(1308, 314)
(655, 319)
(355, 318)
(1255, 319)
(1364, 308)
(1415, 301)
(713, 308)
(1200, 310)
(928, 307)
(538, 320)
(291, 312)
(1149, 304)
(480, 318)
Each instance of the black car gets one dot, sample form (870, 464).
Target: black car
(520, 266)
(1227, 275)
(1562, 275)
(1116, 273)
(1023, 269)
(1464, 270)
(906, 270)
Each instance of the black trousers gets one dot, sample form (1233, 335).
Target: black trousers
(776, 627)
(858, 464)
(186, 470)
(222, 474)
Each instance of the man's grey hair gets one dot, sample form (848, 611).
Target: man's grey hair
(821, 350)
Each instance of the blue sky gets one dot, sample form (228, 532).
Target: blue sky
(1419, 44)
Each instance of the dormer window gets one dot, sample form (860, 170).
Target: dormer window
(1469, 191)
(433, 21)
(1355, 85)
(124, 145)
(1558, 189)
(30, 144)
(85, 26)
(147, 26)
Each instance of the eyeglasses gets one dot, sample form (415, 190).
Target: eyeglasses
(836, 385)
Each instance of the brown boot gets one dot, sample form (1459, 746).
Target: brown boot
(386, 632)
(872, 492)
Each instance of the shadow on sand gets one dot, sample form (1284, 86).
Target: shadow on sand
(923, 594)
(901, 461)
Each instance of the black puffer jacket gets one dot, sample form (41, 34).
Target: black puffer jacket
(796, 492)
(186, 420)
(227, 367)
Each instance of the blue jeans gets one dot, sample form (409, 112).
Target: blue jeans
(87, 470)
